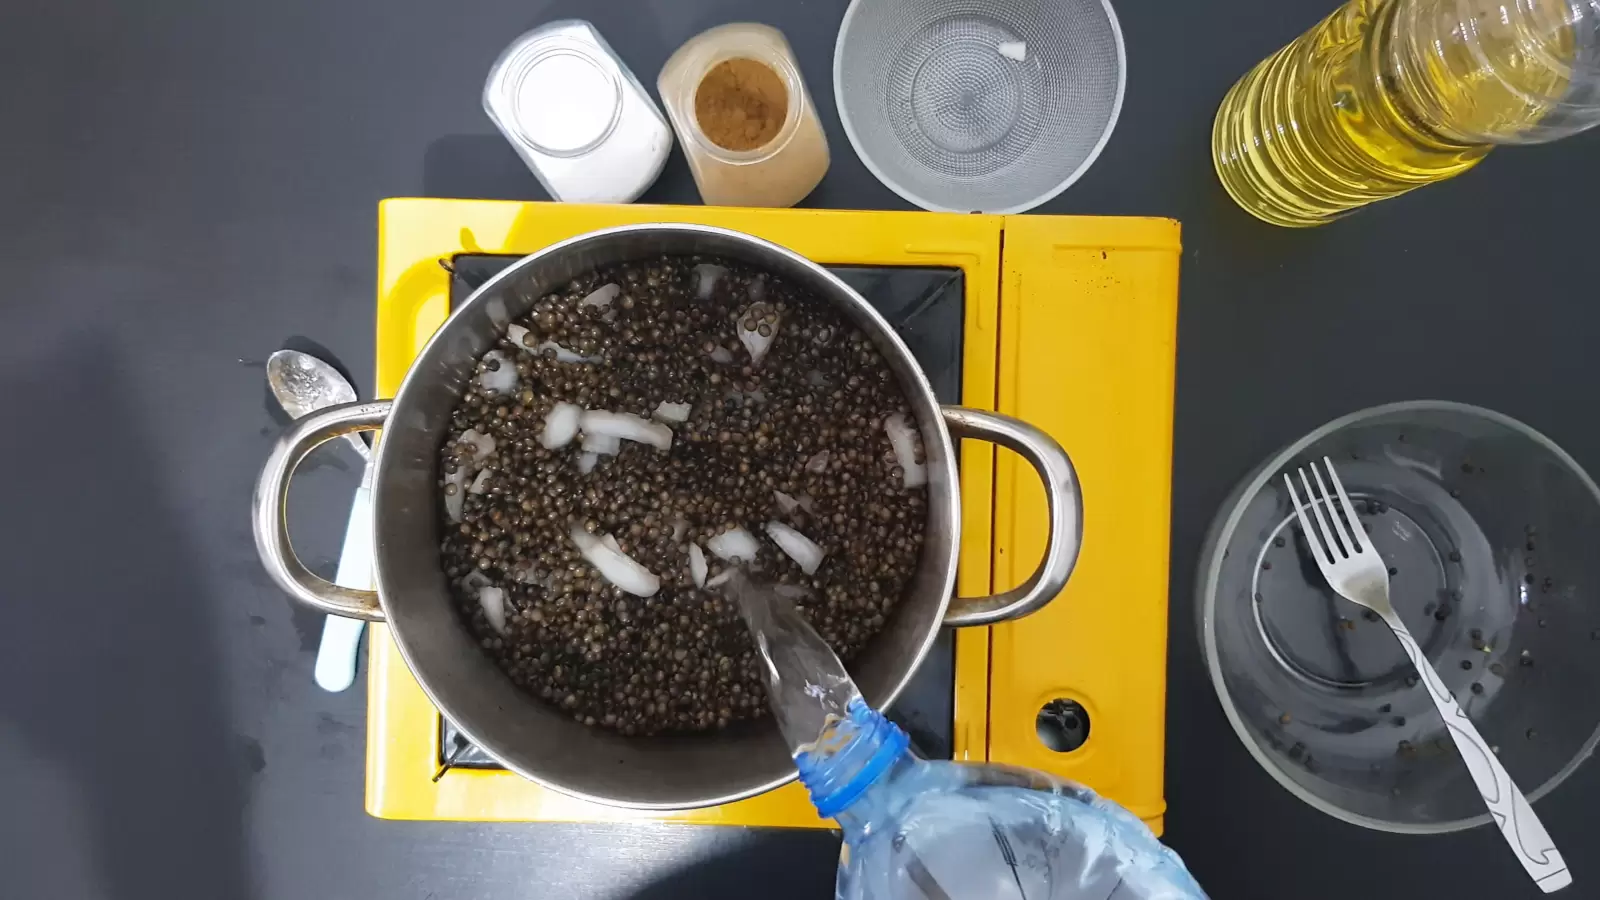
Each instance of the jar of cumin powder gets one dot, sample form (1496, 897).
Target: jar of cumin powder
(744, 117)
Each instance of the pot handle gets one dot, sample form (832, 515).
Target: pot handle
(1065, 513)
(267, 513)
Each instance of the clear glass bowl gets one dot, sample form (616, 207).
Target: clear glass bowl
(1491, 533)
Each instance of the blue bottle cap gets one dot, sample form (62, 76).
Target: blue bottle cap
(837, 778)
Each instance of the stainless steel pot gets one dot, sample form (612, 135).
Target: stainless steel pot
(539, 742)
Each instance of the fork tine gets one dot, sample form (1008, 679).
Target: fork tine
(1341, 528)
(1358, 535)
(1305, 523)
(1335, 549)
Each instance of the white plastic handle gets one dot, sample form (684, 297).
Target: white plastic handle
(1510, 810)
(341, 637)
(336, 657)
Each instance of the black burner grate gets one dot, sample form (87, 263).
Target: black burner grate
(925, 307)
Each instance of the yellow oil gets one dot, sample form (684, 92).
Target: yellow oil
(1382, 97)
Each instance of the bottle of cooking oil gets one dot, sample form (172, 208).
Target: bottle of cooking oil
(1388, 95)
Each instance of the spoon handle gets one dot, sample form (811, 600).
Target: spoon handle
(1510, 810)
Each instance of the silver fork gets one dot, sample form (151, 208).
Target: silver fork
(1356, 571)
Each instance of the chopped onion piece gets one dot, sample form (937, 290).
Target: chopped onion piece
(720, 579)
(563, 354)
(791, 591)
(672, 412)
(756, 343)
(721, 355)
(614, 565)
(601, 296)
(453, 500)
(560, 425)
(603, 444)
(628, 427)
(697, 565)
(493, 601)
(1013, 50)
(518, 336)
(735, 543)
(611, 542)
(817, 463)
(797, 546)
(482, 445)
(586, 462)
(502, 380)
(788, 504)
(474, 580)
(481, 483)
(705, 279)
(904, 439)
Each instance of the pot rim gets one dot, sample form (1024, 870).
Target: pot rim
(922, 388)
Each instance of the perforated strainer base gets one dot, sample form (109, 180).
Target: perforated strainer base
(972, 110)
(947, 121)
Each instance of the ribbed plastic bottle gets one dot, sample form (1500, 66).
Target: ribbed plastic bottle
(1384, 96)
(915, 828)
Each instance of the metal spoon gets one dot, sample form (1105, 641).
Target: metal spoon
(304, 384)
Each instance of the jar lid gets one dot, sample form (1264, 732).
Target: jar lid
(564, 100)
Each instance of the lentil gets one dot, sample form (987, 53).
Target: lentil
(679, 660)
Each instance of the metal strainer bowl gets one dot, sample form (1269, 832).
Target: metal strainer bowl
(979, 105)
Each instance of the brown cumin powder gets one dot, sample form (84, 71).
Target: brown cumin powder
(741, 104)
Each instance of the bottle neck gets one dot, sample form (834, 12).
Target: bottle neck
(1480, 72)
(851, 755)
(841, 746)
(874, 805)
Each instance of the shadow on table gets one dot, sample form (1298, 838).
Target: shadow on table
(485, 167)
(119, 776)
(770, 864)
(477, 166)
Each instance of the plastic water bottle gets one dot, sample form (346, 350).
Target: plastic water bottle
(941, 830)
(1384, 96)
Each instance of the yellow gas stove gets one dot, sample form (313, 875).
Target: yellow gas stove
(1069, 323)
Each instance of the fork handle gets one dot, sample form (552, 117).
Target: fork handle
(1508, 807)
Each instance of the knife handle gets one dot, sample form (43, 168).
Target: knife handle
(341, 637)
(336, 657)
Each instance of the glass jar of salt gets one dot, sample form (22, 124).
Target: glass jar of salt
(746, 121)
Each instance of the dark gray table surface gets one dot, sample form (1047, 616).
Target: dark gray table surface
(185, 186)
